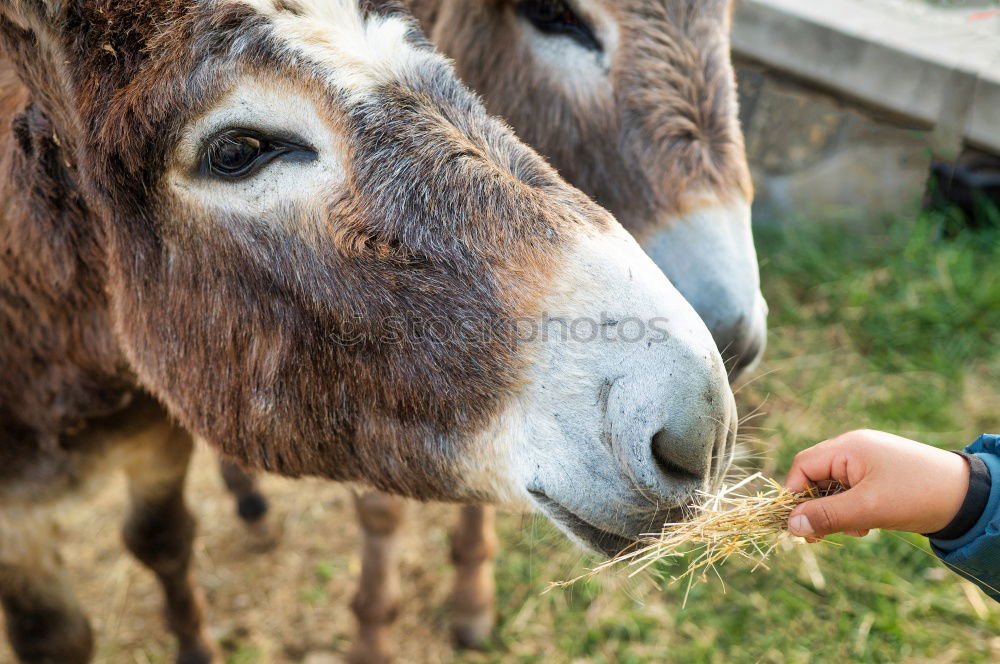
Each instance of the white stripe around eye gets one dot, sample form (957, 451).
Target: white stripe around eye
(272, 108)
(358, 54)
(578, 72)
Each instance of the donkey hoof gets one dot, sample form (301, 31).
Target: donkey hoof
(473, 631)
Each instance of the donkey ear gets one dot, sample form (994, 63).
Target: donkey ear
(30, 41)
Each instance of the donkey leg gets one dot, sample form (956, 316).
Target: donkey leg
(251, 505)
(160, 532)
(376, 603)
(473, 547)
(45, 624)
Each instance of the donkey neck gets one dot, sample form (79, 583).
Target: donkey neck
(58, 361)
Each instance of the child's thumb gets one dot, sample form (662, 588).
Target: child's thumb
(833, 514)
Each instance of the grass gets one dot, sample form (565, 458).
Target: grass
(896, 328)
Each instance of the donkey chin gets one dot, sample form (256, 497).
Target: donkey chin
(625, 416)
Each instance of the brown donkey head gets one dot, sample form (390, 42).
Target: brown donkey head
(634, 102)
(324, 257)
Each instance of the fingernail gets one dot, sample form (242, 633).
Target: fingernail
(799, 525)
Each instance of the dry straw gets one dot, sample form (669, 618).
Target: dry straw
(748, 520)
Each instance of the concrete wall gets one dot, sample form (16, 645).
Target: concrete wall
(846, 102)
(815, 157)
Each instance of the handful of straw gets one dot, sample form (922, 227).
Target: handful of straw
(733, 522)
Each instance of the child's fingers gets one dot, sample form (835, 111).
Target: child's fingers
(820, 463)
(796, 480)
(848, 511)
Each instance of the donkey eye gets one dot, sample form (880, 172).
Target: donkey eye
(556, 17)
(237, 154)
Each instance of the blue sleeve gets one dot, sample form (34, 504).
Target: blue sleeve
(976, 555)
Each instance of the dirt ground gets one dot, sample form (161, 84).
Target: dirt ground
(279, 606)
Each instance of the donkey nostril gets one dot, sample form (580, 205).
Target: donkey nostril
(739, 360)
(669, 452)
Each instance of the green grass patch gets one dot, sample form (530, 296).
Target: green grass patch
(895, 328)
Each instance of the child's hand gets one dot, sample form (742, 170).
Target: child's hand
(896, 484)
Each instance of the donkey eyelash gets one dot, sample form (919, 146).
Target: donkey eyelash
(556, 17)
(237, 154)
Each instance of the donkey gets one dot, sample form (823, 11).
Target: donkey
(634, 102)
(285, 227)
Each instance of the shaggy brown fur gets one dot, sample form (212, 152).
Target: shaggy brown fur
(663, 140)
(237, 379)
(664, 137)
(267, 344)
